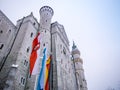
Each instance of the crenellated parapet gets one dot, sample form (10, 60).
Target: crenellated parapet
(46, 8)
(46, 14)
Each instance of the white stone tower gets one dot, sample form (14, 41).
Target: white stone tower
(46, 14)
(79, 71)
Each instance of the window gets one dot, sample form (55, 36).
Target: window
(1, 46)
(25, 62)
(44, 44)
(9, 30)
(34, 23)
(64, 50)
(83, 79)
(81, 86)
(1, 31)
(22, 80)
(31, 35)
(28, 49)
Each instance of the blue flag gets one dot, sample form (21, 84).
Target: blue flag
(40, 85)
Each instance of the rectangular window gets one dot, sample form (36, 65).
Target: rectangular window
(22, 80)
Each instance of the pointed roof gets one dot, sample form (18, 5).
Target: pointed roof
(75, 49)
(74, 46)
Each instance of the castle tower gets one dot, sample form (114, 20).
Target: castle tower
(46, 14)
(78, 66)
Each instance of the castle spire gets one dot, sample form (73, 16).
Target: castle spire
(74, 46)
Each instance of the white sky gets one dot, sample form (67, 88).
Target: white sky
(94, 25)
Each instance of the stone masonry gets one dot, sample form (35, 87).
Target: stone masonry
(66, 72)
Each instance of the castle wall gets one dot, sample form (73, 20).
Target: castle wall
(24, 54)
(19, 56)
(7, 35)
(62, 68)
(15, 50)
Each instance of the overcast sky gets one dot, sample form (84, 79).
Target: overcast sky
(94, 25)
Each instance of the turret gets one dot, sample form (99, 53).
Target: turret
(46, 14)
(76, 53)
(78, 67)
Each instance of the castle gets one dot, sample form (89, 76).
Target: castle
(66, 72)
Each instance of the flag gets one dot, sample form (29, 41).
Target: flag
(34, 58)
(47, 73)
(40, 85)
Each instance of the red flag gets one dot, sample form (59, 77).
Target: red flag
(34, 54)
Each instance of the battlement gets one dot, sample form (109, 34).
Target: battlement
(47, 8)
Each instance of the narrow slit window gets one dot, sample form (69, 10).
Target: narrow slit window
(1, 46)
(1, 31)
(28, 49)
(31, 35)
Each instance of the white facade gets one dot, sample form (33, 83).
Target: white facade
(65, 74)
